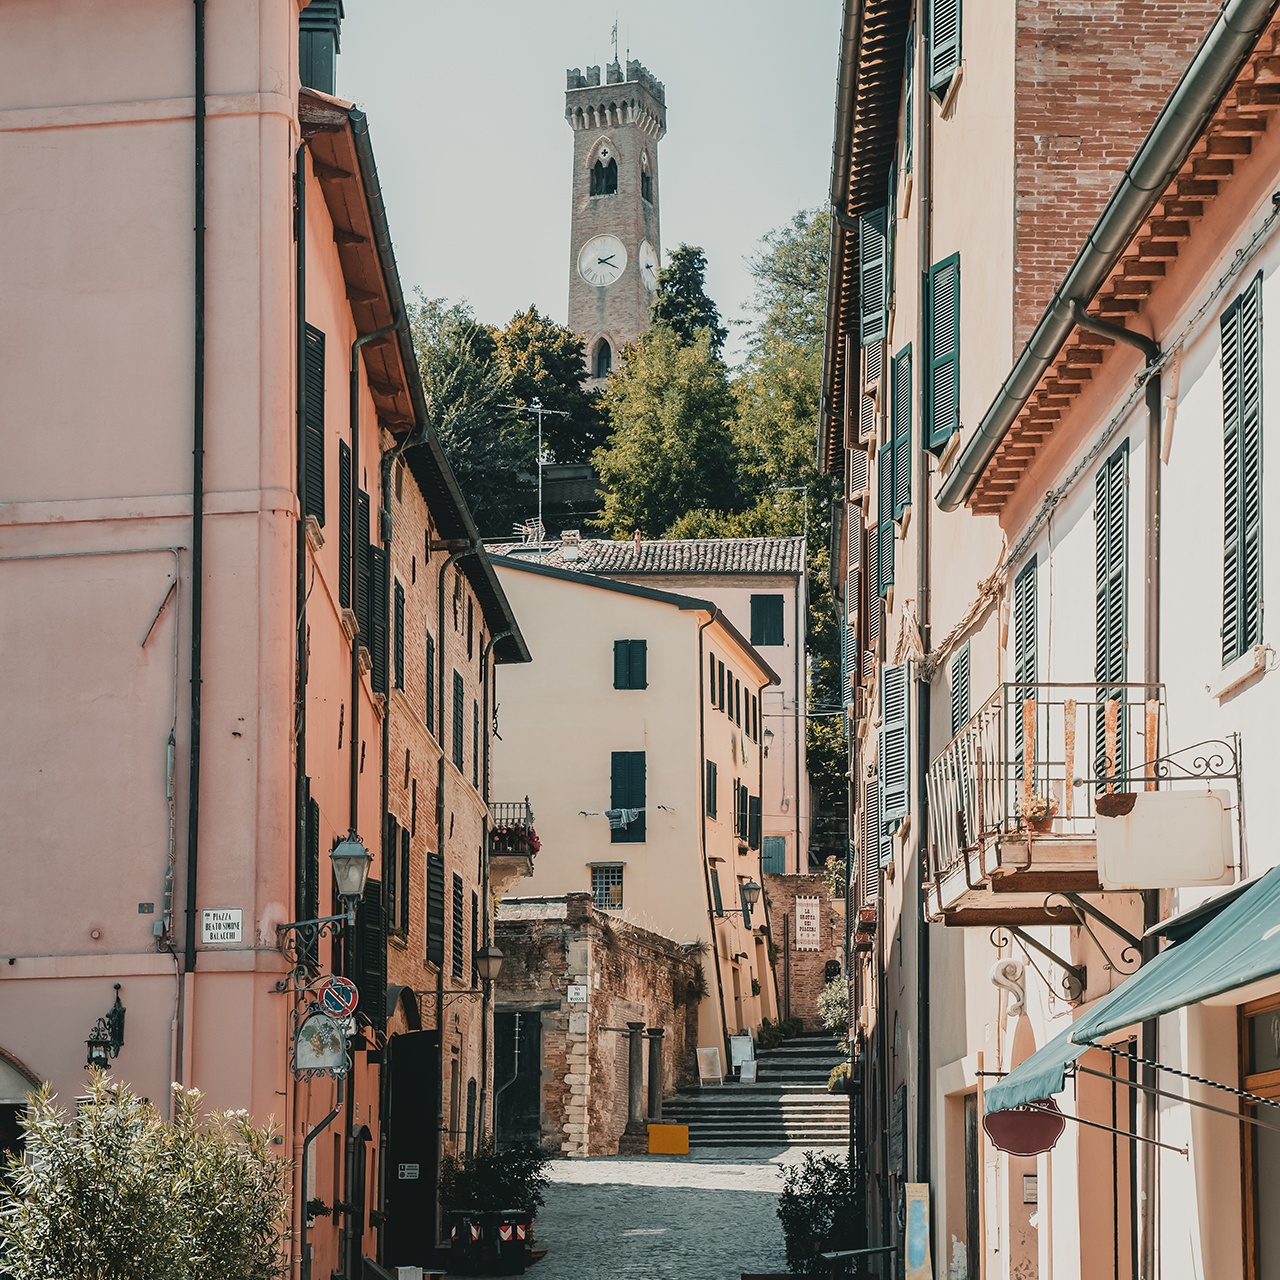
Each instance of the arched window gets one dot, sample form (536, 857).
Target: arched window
(603, 360)
(604, 178)
(646, 181)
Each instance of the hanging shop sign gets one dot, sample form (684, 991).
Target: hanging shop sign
(808, 924)
(1024, 1131)
(319, 1045)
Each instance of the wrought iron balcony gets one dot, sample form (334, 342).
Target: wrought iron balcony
(1013, 797)
(513, 842)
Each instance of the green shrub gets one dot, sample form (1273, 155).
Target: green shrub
(840, 1071)
(114, 1193)
(820, 1211)
(833, 1005)
(793, 1026)
(513, 1178)
(834, 871)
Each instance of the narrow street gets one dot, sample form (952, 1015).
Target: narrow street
(710, 1217)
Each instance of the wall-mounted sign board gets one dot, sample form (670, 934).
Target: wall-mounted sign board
(221, 924)
(578, 994)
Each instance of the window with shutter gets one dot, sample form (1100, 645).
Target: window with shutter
(944, 44)
(430, 707)
(850, 659)
(753, 822)
(901, 392)
(746, 906)
(960, 712)
(887, 827)
(715, 891)
(404, 882)
(894, 754)
(630, 664)
(459, 938)
(744, 812)
(475, 934)
(379, 587)
(459, 711)
(344, 524)
(942, 412)
(873, 359)
(311, 871)
(737, 702)
(313, 419)
(475, 744)
(720, 676)
(399, 625)
(909, 102)
(371, 955)
(1025, 660)
(873, 251)
(767, 620)
(1111, 515)
(711, 789)
(870, 840)
(435, 909)
(627, 792)
(1242, 473)
(362, 565)
(391, 868)
(773, 858)
(884, 515)
(711, 677)
(857, 470)
(872, 623)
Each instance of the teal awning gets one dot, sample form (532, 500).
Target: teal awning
(1242, 945)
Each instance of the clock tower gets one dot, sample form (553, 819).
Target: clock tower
(614, 243)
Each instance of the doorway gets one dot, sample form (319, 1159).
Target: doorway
(517, 1075)
(1260, 1054)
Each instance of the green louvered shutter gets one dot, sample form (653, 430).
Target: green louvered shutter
(399, 627)
(363, 567)
(435, 909)
(621, 664)
(715, 892)
(870, 840)
(712, 797)
(1111, 511)
(746, 907)
(311, 873)
(884, 515)
(944, 43)
(313, 417)
(429, 706)
(873, 265)
(901, 432)
(885, 828)
(753, 822)
(894, 755)
(379, 590)
(871, 627)
(943, 304)
(960, 695)
(909, 102)
(626, 791)
(344, 524)
(1025, 657)
(390, 861)
(459, 727)
(639, 664)
(404, 882)
(1242, 473)
(371, 955)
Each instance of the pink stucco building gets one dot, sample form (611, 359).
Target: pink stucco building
(203, 382)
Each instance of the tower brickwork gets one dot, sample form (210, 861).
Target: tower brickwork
(615, 245)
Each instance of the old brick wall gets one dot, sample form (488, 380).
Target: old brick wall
(632, 975)
(1090, 80)
(802, 973)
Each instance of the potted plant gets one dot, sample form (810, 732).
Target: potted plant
(486, 1191)
(1038, 812)
(838, 1080)
(821, 1211)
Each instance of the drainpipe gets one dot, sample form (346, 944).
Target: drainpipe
(1162, 154)
(1151, 677)
(197, 520)
(924, 565)
(702, 829)
(487, 996)
(802, 855)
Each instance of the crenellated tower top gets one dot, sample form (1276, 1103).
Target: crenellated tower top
(639, 99)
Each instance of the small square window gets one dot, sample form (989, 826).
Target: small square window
(606, 888)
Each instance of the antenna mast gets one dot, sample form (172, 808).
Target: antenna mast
(535, 407)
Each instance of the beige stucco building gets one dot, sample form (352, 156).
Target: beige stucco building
(636, 735)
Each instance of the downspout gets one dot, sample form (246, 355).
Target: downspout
(702, 829)
(486, 997)
(197, 520)
(357, 550)
(1151, 677)
(306, 1151)
(802, 855)
(924, 567)
(1163, 152)
(300, 1143)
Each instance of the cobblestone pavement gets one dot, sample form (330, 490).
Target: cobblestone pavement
(706, 1217)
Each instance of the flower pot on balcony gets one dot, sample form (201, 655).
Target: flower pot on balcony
(1042, 826)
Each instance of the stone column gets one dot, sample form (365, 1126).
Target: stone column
(635, 1137)
(655, 1074)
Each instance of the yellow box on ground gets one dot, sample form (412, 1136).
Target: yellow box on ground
(668, 1139)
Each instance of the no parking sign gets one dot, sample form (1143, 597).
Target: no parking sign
(339, 997)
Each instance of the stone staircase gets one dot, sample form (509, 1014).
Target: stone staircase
(788, 1106)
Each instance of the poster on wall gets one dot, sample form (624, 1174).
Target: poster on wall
(808, 924)
(919, 1266)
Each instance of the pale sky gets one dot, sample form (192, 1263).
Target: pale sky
(466, 112)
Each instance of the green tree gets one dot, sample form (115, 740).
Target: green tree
(547, 361)
(681, 301)
(790, 276)
(468, 390)
(671, 449)
(116, 1194)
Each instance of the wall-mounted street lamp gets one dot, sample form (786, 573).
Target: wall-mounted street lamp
(768, 740)
(488, 962)
(351, 861)
(107, 1037)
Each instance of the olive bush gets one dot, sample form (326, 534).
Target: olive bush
(115, 1193)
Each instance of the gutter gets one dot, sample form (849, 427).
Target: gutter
(1163, 152)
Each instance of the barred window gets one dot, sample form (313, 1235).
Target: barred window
(606, 888)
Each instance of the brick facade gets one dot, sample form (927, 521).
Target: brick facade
(631, 974)
(1090, 81)
(802, 974)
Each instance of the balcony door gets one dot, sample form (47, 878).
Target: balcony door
(1260, 1055)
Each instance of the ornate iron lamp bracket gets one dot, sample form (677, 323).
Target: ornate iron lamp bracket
(299, 943)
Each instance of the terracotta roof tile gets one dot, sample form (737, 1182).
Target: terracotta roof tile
(687, 556)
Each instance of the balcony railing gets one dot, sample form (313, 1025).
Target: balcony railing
(1036, 756)
(511, 827)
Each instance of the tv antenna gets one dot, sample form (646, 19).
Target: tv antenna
(535, 407)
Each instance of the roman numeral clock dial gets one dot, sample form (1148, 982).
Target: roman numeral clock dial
(602, 260)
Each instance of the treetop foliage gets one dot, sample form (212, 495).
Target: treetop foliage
(681, 302)
(791, 281)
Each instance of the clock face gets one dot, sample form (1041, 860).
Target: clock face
(602, 260)
(648, 260)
